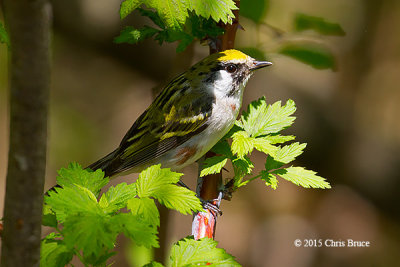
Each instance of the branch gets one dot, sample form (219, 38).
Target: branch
(208, 187)
(28, 23)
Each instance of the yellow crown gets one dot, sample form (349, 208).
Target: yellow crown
(231, 54)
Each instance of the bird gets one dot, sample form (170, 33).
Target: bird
(188, 117)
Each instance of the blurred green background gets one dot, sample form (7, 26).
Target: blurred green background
(349, 118)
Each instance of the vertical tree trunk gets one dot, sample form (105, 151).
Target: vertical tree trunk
(28, 23)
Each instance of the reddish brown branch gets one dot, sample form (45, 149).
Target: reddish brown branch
(208, 187)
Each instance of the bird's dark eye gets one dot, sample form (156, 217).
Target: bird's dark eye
(231, 68)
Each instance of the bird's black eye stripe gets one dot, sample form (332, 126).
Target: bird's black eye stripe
(231, 68)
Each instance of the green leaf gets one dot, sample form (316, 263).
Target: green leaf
(278, 139)
(153, 16)
(262, 119)
(202, 27)
(91, 233)
(305, 22)
(316, 55)
(116, 197)
(133, 227)
(128, 6)
(217, 10)
(189, 252)
(146, 209)
(272, 164)
(242, 167)
(242, 144)
(159, 183)
(288, 153)
(223, 148)
(132, 36)
(71, 201)
(304, 178)
(254, 9)
(4, 36)
(49, 217)
(269, 179)
(175, 13)
(262, 144)
(75, 175)
(54, 253)
(213, 165)
(253, 51)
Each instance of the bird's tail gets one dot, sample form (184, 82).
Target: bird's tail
(103, 164)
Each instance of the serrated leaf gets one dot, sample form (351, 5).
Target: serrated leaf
(253, 51)
(262, 119)
(242, 166)
(254, 9)
(133, 227)
(202, 27)
(128, 6)
(269, 179)
(152, 179)
(213, 165)
(288, 153)
(217, 10)
(132, 36)
(116, 197)
(159, 183)
(306, 22)
(278, 139)
(316, 55)
(223, 148)
(71, 201)
(304, 178)
(153, 16)
(272, 164)
(146, 209)
(49, 217)
(189, 252)
(263, 145)
(174, 13)
(4, 35)
(54, 253)
(242, 144)
(89, 232)
(74, 176)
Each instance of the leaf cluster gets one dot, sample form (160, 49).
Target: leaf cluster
(260, 129)
(87, 222)
(203, 252)
(183, 21)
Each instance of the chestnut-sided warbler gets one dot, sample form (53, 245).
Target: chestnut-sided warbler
(187, 118)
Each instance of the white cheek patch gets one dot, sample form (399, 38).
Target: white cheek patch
(223, 83)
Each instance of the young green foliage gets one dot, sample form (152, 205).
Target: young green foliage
(189, 252)
(182, 21)
(87, 224)
(259, 128)
(174, 13)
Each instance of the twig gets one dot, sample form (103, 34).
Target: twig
(209, 187)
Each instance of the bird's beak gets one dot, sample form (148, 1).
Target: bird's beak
(260, 64)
